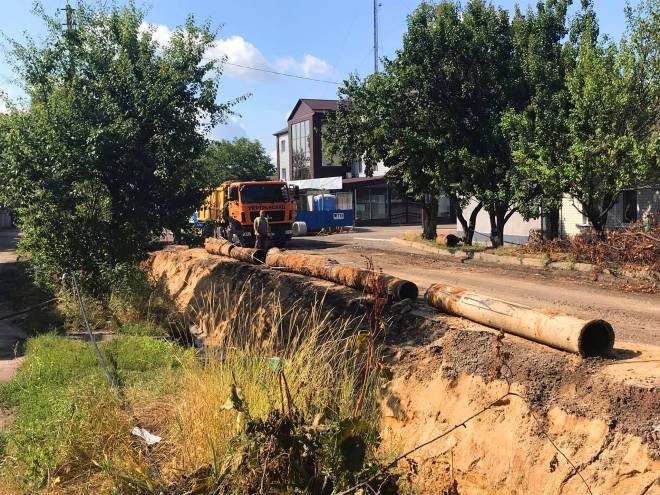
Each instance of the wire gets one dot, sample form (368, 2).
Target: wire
(28, 309)
(99, 356)
(284, 74)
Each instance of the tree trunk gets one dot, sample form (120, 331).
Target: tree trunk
(551, 230)
(430, 217)
(468, 225)
(497, 221)
(597, 217)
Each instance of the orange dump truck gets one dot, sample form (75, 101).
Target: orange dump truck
(235, 205)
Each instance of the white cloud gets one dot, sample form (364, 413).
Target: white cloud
(309, 66)
(237, 50)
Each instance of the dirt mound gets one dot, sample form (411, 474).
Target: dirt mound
(602, 414)
(606, 425)
(188, 274)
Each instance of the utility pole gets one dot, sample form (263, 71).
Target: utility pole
(70, 36)
(376, 5)
(70, 23)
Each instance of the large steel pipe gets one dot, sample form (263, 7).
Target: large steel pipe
(319, 267)
(223, 247)
(585, 337)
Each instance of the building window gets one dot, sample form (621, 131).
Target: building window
(371, 203)
(344, 200)
(300, 159)
(629, 206)
(283, 174)
(283, 145)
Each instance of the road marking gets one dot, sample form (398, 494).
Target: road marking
(370, 239)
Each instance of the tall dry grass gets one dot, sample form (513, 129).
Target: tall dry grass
(253, 340)
(250, 334)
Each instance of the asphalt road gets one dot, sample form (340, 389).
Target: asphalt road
(635, 316)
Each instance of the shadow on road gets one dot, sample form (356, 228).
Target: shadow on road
(18, 292)
(312, 243)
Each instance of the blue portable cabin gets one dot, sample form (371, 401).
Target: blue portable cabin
(318, 207)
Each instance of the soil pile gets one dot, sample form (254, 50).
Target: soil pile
(601, 414)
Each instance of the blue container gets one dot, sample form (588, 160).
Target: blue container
(317, 220)
(325, 202)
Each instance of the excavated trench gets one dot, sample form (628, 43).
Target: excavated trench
(602, 415)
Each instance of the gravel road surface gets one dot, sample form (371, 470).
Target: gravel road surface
(635, 316)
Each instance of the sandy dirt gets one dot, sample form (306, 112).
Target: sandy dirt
(600, 413)
(634, 316)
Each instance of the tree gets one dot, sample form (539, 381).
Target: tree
(613, 119)
(537, 135)
(99, 161)
(434, 115)
(491, 86)
(240, 159)
(375, 121)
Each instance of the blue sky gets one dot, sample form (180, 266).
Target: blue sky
(321, 39)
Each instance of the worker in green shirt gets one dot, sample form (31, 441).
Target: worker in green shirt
(261, 230)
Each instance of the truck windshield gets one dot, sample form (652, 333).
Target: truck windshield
(264, 193)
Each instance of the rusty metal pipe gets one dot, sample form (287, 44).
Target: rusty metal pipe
(584, 337)
(223, 247)
(319, 267)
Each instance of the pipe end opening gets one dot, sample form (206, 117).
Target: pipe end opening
(407, 290)
(596, 339)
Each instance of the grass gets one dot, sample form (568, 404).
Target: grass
(319, 355)
(72, 435)
(514, 250)
(67, 419)
(475, 247)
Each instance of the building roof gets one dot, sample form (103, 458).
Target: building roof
(358, 181)
(315, 105)
(320, 105)
(282, 131)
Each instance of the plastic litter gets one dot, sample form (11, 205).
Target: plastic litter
(149, 438)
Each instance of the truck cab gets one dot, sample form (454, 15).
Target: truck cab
(235, 204)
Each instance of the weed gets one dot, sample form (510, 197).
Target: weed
(307, 376)
(545, 259)
(67, 418)
(571, 262)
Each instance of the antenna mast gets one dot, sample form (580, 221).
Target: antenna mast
(376, 5)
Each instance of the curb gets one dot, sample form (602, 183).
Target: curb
(515, 260)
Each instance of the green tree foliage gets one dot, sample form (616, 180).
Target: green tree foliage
(434, 114)
(240, 159)
(614, 107)
(375, 121)
(100, 158)
(538, 135)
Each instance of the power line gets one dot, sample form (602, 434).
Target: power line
(283, 74)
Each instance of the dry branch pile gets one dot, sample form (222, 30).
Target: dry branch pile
(634, 247)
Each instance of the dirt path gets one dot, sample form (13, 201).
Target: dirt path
(11, 335)
(635, 317)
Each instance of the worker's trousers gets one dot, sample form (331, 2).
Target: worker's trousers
(261, 242)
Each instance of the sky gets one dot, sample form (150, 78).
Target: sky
(318, 39)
